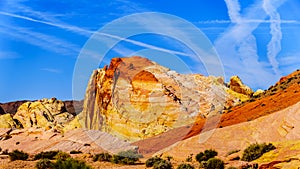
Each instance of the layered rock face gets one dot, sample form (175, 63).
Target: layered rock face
(45, 113)
(135, 98)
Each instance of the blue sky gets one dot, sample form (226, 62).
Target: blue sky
(42, 39)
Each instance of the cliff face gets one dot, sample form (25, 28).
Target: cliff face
(135, 98)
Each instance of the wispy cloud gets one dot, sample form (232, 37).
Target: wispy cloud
(88, 33)
(8, 55)
(51, 70)
(44, 41)
(233, 10)
(274, 46)
(245, 21)
(238, 46)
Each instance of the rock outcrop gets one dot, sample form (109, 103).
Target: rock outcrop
(45, 113)
(33, 140)
(282, 128)
(238, 86)
(135, 98)
(12, 107)
(1, 111)
(6, 121)
(283, 94)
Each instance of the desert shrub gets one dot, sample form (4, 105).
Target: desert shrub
(206, 155)
(254, 151)
(70, 163)
(17, 155)
(102, 157)
(44, 164)
(62, 155)
(150, 162)
(189, 158)
(232, 152)
(47, 154)
(231, 167)
(75, 152)
(128, 157)
(185, 166)
(163, 164)
(214, 163)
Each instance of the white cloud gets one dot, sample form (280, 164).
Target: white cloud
(233, 10)
(274, 46)
(8, 55)
(57, 71)
(41, 40)
(237, 46)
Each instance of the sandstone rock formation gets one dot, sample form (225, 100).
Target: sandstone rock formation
(6, 121)
(33, 140)
(45, 113)
(1, 111)
(238, 86)
(12, 107)
(278, 97)
(135, 98)
(282, 128)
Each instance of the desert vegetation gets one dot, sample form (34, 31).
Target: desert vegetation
(254, 151)
(17, 155)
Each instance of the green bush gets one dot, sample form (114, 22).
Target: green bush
(206, 155)
(185, 166)
(163, 164)
(17, 155)
(150, 162)
(128, 157)
(231, 167)
(70, 163)
(254, 151)
(189, 158)
(44, 164)
(102, 157)
(232, 152)
(75, 152)
(62, 155)
(47, 154)
(214, 163)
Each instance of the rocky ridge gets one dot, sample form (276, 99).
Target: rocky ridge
(282, 95)
(45, 113)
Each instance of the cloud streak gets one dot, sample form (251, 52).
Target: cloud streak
(274, 46)
(233, 10)
(88, 33)
(51, 70)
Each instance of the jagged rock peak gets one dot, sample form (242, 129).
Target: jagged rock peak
(238, 86)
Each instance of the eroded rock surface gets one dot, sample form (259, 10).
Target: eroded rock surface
(45, 113)
(135, 98)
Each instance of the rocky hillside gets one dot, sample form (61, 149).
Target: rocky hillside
(135, 98)
(45, 113)
(282, 128)
(33, 140)
(72, 106)
(283, 94)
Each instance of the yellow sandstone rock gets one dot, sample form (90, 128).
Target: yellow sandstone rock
(6, 121)
(135, 98)
(45, 113)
